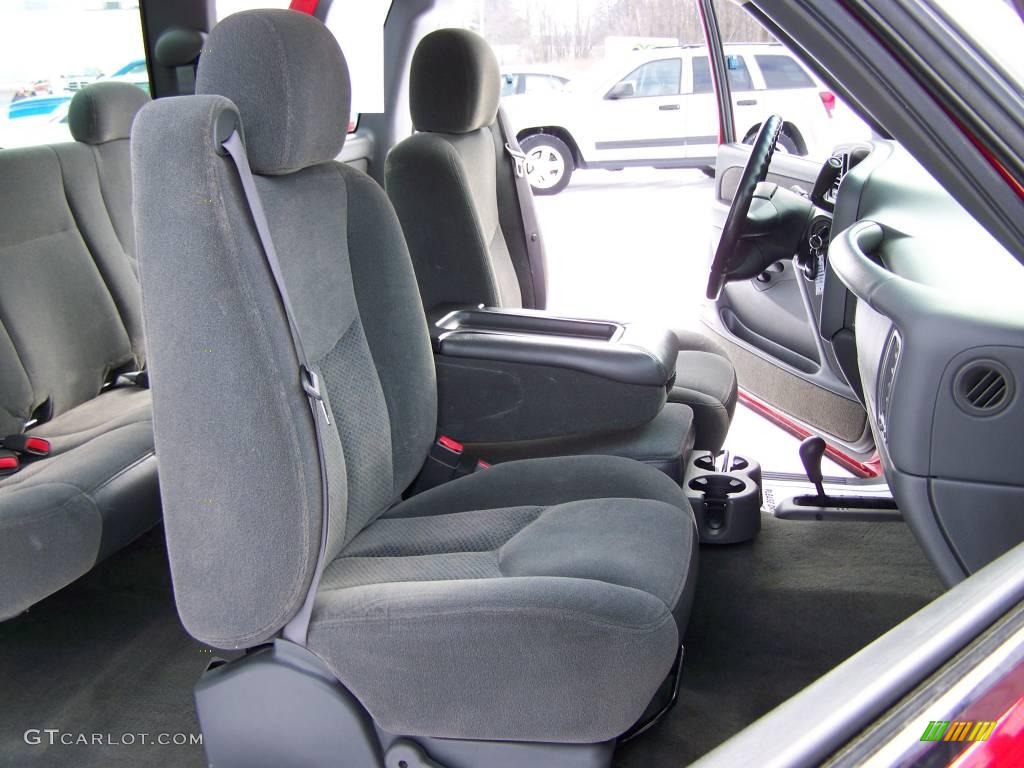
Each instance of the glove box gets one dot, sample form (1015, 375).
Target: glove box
(526, 375)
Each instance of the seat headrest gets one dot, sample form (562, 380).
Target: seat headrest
(288, 78)
(104, 111)
(454, 83)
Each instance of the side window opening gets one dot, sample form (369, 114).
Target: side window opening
(50, 50)
(656, 78)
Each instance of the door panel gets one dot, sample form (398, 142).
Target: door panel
(770, 323)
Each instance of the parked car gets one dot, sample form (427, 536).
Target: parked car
(525, 80)
(35, 88)
(77, 80)
(134, 72)
(41, 105)
(656, 107)
(49, 128)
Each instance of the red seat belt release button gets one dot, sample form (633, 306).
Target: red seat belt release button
(450, 444)
(9, 463)
(27, 444)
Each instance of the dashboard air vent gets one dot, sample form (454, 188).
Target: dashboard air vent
(983, 387)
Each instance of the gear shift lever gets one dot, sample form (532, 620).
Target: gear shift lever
(811, 452)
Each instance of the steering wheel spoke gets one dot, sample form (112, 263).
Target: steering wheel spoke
(736, 224)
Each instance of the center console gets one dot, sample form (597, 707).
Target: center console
(524, 375)
(517, 384)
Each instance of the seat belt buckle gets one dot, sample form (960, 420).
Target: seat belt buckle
(470, 465)
(138, 379)
(518, 159)
(9, 463)
(29, 445)
(442, 464)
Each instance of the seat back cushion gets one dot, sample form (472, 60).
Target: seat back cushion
(101, 116)
(444, 189)
(239, 474)
(93, 210)
(443, 180)
(59, 316)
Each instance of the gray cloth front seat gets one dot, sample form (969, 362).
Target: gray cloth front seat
(539, 601)
(453, 188)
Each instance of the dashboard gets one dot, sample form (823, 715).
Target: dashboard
(936, 308)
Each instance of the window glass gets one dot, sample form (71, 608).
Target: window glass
(49, 49)
(781, 71)
(816, 119)
(544, 84)
(359, 29)
(656, 78)
(995, 27)
(509, 85)
(739, 75)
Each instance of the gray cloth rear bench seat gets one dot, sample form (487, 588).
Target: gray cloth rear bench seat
(70, 319)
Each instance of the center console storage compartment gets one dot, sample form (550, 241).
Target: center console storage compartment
(506, 376)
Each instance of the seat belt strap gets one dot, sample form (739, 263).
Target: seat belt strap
(527, 214)
(298, 627)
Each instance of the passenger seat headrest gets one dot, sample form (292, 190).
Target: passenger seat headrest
(288, 77)
(454, 83)
(104, 111)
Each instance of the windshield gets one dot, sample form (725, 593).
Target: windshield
(995, 27)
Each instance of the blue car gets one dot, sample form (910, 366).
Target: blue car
(35, 106)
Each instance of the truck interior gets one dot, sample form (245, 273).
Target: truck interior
(298, 459)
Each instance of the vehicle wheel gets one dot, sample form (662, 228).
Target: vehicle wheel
(785, 145)
(549, 163)
(708, 170)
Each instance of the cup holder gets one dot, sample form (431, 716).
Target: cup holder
(706, 462)
(717, 486)
(727, 505)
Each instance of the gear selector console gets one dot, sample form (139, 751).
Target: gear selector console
(725, 493)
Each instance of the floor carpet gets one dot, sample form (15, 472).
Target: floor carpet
(772, 615)
(108, 656)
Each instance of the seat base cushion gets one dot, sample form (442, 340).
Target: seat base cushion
(60, 515)
(540, 600)
(705, 381)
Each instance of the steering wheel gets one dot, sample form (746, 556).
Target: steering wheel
(755, 171)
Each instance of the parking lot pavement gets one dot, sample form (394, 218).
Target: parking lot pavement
(634, 245)
(630, 244)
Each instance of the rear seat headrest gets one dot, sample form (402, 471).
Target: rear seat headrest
(104, 111)
(454, 83)
(288, 77)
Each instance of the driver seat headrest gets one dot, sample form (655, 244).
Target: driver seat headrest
(454, 83)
